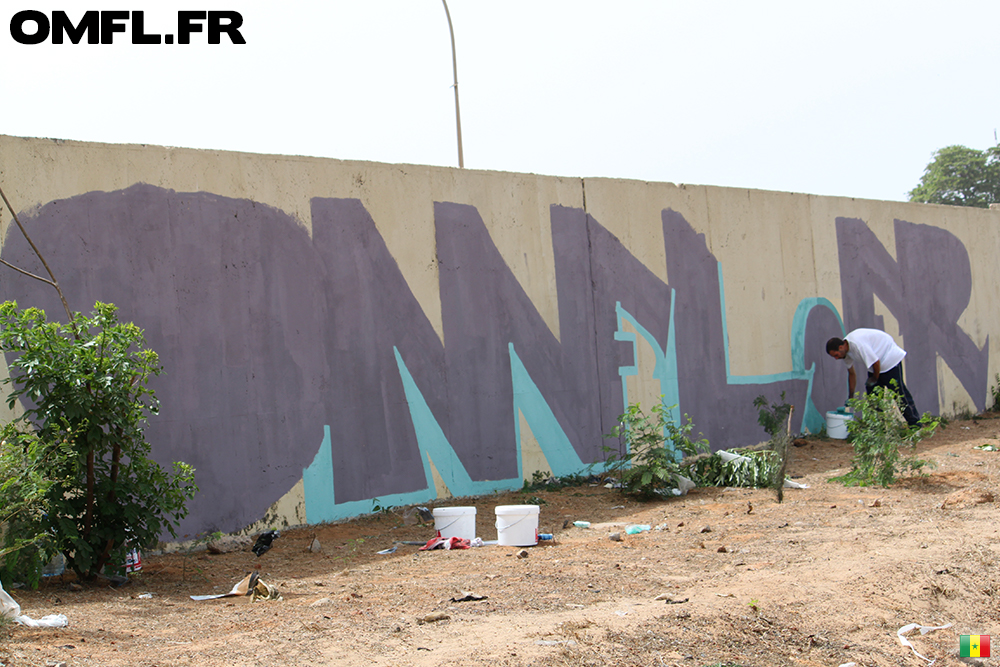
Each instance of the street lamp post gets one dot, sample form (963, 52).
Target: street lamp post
(454, 66)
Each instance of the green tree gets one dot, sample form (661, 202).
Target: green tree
(961, 176)
(83, 387)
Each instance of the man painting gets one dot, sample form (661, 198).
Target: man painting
(878, 354)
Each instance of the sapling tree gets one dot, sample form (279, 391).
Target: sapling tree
(84, 390)
(878, 432)
(776, 418)
(654, 445)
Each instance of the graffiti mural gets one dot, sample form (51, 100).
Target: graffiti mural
(926, 289)
(292, 355)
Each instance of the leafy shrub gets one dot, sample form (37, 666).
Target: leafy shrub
(23, 488)
(648, 465)
(878, 432)
(996, 395)
(83, 389)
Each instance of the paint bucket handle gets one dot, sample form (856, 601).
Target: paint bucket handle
(511, 525)
(448, 525)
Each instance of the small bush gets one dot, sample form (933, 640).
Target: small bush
(649, 464)
(83, 387)
(878, 433)
(996, 395)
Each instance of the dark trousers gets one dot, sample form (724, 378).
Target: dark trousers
(885, 379)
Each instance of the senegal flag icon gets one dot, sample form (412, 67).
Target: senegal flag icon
(974, 646)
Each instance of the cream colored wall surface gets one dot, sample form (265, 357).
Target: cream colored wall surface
(763, 240)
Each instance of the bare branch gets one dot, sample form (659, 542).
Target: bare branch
(53, 281)
(27, 273)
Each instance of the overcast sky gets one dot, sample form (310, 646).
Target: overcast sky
(848, 98)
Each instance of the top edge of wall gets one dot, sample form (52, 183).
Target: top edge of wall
(313, 158)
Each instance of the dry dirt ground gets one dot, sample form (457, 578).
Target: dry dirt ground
(731, 577)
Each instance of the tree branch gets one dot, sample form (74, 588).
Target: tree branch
(27, 273)
(53, 281)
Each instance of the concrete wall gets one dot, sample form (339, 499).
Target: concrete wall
(335, 332)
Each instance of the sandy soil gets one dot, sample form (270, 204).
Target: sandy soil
(727, 576)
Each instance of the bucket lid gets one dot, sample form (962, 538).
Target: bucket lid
(453, 511)
(517, 509)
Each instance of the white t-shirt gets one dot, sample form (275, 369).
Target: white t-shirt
(870, 345)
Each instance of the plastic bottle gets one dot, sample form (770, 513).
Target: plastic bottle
(635, 530)
(55, 567)
(582, 524)
(545, 536)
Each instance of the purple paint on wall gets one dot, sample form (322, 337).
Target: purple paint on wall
(227, 293)
(267, 334)
(370, 309)
(723, 412)
(595, 272)
(484, 308)
(926, 289)
(466, 381)
(829, 388)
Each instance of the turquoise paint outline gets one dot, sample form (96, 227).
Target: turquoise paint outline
(528, 400)
(434, 445)
(665, 368)
(318, 478)
(626, 371)
(320, 501)
(811, 418)
(751, 379)
(317, 482)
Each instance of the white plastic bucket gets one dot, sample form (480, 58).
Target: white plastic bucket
(455, 522)
(836, 424)
(517, 525)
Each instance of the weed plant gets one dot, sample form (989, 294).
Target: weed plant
(543, 480)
